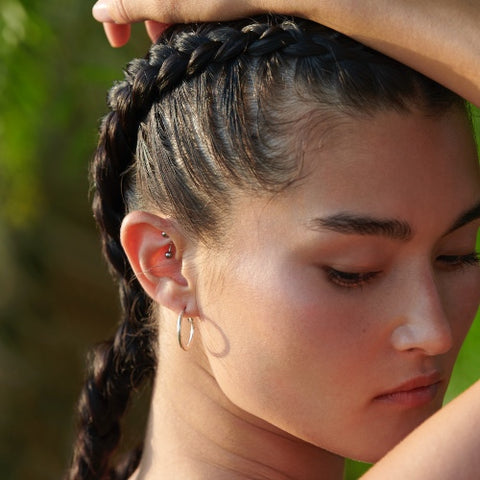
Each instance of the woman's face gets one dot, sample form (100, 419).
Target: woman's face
(337, 308)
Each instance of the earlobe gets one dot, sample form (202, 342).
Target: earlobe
(155, 248)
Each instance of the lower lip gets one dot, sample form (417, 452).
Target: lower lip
(416, 397)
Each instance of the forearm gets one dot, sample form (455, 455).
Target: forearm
(446, 446)
(440, 38)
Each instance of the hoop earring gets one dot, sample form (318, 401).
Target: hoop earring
(179, 331)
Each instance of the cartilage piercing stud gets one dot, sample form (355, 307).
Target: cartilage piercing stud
(169, 253)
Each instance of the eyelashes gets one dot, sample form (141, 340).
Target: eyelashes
(349, 279)
(359, 279)
(454, 261)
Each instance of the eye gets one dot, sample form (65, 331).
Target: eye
(459, 261)
(349, 279)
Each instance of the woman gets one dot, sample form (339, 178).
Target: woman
(324, 183)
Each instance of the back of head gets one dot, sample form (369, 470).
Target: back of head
(215, 109)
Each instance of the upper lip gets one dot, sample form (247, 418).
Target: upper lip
(415, 382)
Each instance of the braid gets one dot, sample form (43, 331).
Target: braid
(204, 111)
(183, 54)
(121, 364)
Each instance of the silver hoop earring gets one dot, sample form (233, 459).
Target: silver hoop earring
(179, 331)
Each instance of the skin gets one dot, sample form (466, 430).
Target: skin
(430, 441)
(439, 38)
(260, 395)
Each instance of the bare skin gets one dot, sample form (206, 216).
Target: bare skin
(439, 38)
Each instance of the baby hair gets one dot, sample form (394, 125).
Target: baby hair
(212, 110)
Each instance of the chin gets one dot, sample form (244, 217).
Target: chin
(373, 453)
(383, 437)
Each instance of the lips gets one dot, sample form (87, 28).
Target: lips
(415, 392)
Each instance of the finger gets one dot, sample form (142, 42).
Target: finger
(129, 11)
(117, 35)
(155, 29)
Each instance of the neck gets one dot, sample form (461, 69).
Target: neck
(195, 432)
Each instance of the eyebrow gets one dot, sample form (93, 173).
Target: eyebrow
(467, 216)
(350, 223)
(354, 224)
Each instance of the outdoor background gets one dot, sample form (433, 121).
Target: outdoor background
(56, 299)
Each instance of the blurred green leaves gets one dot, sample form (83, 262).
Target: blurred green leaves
(475, 112)
(55, 67)
(56, 299)
(13, 24)
(24, 39)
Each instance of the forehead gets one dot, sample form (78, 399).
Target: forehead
(417, 169)
(391, 157)
(420, 170)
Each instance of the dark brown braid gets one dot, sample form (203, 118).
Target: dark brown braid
(121, 364)
(211, 108)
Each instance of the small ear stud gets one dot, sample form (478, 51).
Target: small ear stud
(169, 253)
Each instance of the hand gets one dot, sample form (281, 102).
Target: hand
(117, 15)
(439, 38)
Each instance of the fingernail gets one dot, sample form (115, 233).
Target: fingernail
(101, 12)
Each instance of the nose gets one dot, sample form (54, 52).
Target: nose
(423, 324)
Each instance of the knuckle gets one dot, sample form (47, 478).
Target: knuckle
(121, 11)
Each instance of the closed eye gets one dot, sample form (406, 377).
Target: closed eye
(349, 279)
(459, 261)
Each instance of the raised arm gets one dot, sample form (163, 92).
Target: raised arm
(440, 38)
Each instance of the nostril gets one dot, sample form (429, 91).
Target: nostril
(431, 336)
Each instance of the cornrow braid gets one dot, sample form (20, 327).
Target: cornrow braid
(210, 108)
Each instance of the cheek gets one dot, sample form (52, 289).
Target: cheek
(289, 341)
(285, 315)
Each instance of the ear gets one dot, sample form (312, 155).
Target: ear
(146, 238)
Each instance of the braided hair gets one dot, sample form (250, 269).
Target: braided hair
(208, 111)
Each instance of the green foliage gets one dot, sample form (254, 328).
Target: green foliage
(55, 297)
(23, 93)
(475, 111)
